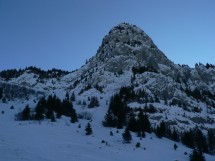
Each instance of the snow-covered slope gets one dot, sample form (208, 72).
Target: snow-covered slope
(61, 140)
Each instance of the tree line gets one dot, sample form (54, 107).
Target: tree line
(49, 108)
(14, 73)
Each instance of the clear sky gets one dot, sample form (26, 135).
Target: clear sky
(64, 33)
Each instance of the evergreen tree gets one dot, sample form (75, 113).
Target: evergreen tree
(165, 101)
(49, 102)
(57, 105)
(132, 124)
(111, 133)
(73, 96)
(197, 156)
(187, 139)
(146, 124)
(25, 115)
(175, 136)
(66, 108)
(94, 102)
(110, 120)
(168, 132)
(40, 109)
(140, 121)
(49, 107)
(157, 99)
(67, 96)
(127, 94)
(4, 100)
(58, 115)
(161, 130)
(53, 119)
(49, 114)
(197, 94)
(118, 109)
(120, 123)
(116, 115)
(211, 140)
(1, 93)
(88, 129)
(137, 145)
(74, 117)
(126, 136)
(175, 146)
(84, 103)
(200, 141)
(141, 134)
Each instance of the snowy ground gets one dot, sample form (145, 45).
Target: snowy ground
(61, 140)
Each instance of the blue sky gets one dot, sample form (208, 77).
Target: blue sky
(64, 33)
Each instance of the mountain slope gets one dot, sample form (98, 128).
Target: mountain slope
(61, 140)
(181, 96)
(128, 57)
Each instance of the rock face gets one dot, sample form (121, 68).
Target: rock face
(18, 92)
(129, 57)
(126, 46)
(126, 43)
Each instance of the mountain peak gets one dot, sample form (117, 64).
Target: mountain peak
(128, 34)
(125, 26)
(126, 45)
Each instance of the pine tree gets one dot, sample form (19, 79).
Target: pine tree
(66, 108)
(140, 121)
(74, 117)
(40, 109)
(39, 113)
(126, 136)
(119, 123)
(49, 103)
(137, 145)
(67, 96)
(187, 139)
(118, 109)
(53, 118)
(161, 130)
(175, 146)
(73, 96)
(25, 115)
(132, 124)
(111, 133)
(200, 141)
(197, 156)
(211, 140)
(49, 107)
(110, 120)
(146, 124)
(57, 105)
(58, 115)
(4, 100)
(88, 129)
(175, 136)
(94, 102)
(116, 115)
(49, 114)
(165, 101)
(1, 93)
